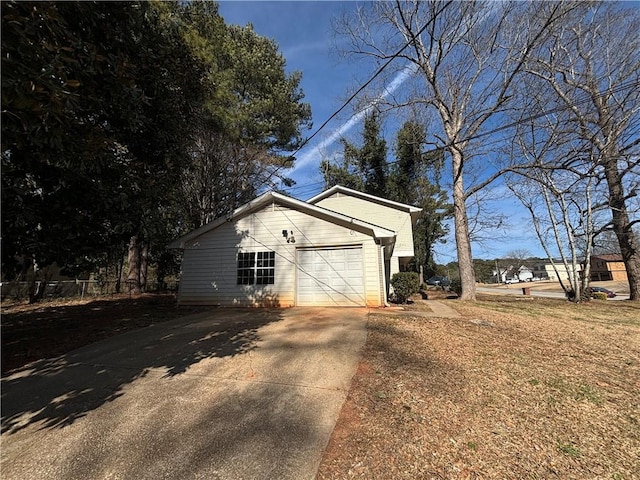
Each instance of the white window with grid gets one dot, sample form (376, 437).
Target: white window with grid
(256, 268)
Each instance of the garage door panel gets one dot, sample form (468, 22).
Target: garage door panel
(330, 277)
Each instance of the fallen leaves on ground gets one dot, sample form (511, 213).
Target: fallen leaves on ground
(537, 389)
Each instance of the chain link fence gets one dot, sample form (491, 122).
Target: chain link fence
(76, 289)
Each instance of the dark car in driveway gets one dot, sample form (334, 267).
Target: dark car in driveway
(609, 293)
(439, 281)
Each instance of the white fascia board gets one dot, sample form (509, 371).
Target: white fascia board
(366, 196)
(269, 197)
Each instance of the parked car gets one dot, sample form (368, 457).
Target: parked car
(512, 280)
(609, 293)
(439, 281)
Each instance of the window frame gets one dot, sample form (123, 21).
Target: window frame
(256, 268)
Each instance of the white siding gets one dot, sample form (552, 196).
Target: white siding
(209, 265)
(381, 215)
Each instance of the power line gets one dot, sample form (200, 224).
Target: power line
(368, 82)
(586, 99)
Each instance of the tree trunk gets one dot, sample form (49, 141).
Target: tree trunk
(30, 276)
(629, 246)
(461, 222)
(144, 264)
(119, 268)
(133, 259)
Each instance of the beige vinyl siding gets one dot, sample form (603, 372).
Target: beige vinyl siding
(381, 215)
(209, 266)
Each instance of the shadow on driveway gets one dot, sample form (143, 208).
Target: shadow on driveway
(226, 394)
(55, 393)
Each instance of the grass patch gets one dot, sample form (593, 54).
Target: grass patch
(588, 393)
(541, 375)
(570, 450)
(626, 313)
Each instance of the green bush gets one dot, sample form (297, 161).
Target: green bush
(599, 295)
(456, 286)
(405, 284)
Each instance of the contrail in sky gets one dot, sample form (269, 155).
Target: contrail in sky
(311, 156)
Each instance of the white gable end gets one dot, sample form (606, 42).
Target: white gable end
(383, 215)
(210, 271)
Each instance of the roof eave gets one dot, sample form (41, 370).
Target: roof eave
(339, 188)
(374, 230)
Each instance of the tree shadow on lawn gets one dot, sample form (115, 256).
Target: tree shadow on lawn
(58, 392)
(402, 351)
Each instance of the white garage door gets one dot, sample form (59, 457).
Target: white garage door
(330, 276)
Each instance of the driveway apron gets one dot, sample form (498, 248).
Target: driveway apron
(228, 394)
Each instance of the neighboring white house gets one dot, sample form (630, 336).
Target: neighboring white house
(503, 275)
(525, 274)
(546, 271)
(510, 274)
(279, 251)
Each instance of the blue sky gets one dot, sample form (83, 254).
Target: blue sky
(303, 30)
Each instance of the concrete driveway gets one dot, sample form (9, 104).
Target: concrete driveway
(227, 394)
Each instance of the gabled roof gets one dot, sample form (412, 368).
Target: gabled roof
(414, 211)
(388, 236)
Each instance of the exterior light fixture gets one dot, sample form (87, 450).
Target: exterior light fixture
(289, 236)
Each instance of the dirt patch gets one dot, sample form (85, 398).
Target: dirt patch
(50, 329)
(536, 389)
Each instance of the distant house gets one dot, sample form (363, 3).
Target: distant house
(545, 270)
(502, 278)
(524, 274)
(340, 248)
(510, 274)
(608, 267)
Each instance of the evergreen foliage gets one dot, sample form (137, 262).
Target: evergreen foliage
(412, 178)
(111, 109)
(404, 285)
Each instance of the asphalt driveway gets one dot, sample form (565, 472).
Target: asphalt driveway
(227, 394)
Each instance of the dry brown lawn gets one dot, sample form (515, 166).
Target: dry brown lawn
(513, 389)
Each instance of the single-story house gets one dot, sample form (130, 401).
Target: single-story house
(340, 248)
(608, 267)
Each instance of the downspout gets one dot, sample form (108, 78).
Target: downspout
(384, 277)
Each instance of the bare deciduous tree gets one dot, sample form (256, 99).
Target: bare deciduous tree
(558, 186)
(591, 67)
(468, 56)
(223, 175)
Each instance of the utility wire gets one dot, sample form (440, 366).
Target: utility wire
(368, 82)
(558, 109)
